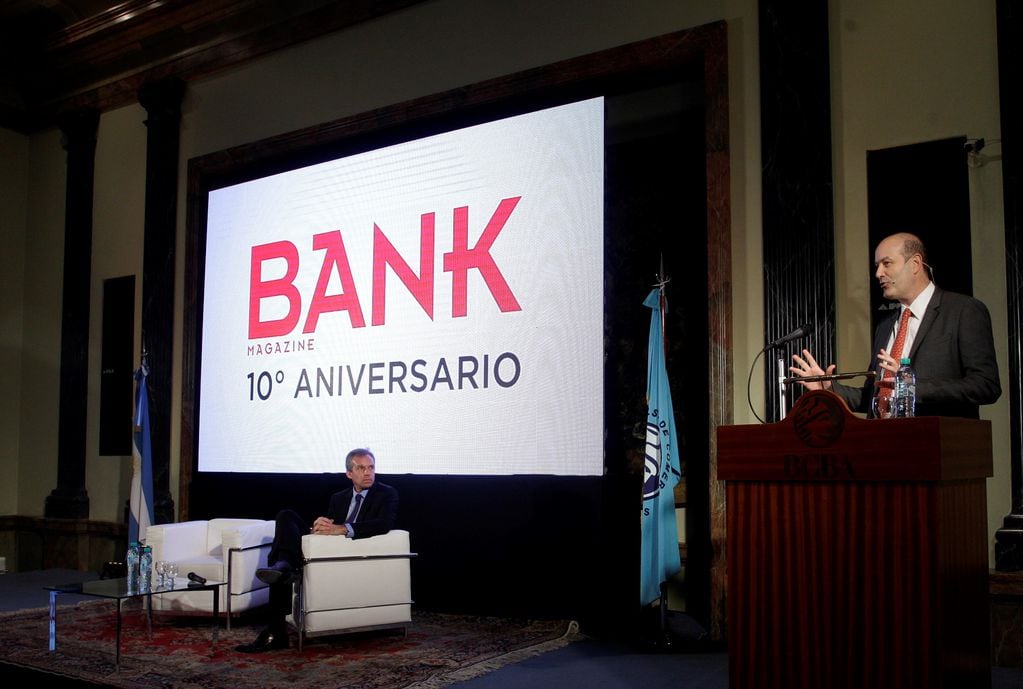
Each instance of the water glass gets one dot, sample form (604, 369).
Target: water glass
(161, 572)
(172, 572)
(881, 404)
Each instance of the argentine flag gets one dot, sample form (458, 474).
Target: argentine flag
(141, 500)
(662, 469)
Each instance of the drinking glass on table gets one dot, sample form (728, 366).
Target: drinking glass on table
(881, 406)
(172, 572)
(161, 572)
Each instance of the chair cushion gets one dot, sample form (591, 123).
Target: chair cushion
(341, 621)
(217, 527)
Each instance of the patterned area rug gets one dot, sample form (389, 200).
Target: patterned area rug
(437, 650)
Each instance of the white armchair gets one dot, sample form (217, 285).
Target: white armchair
(350, 585)
(220, 550)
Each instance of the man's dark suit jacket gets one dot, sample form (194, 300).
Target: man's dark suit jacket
(953, 355)
(376, 516)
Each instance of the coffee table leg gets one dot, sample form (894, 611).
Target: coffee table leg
(53, 620)
(117, 653)
(216, 612)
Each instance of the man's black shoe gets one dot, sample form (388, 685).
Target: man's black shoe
(279, 572)
(266, 641)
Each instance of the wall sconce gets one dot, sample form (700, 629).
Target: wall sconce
(974, 157)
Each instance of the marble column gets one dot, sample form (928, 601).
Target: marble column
(70, 498)
(162, 101)
(1009, 539)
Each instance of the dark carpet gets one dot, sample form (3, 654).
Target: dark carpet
(586, 663)
(179, 652)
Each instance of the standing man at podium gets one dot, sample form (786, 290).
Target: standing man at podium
(946, 335)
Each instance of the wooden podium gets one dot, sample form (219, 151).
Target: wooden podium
(857, 550)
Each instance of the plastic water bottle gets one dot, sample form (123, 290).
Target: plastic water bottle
(132, 562)
(905, 389)
(146, 569)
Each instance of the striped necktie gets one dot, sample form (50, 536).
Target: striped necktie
(355, 509)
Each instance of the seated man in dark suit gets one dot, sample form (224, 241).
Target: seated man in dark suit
(947, 337)
(366, 509)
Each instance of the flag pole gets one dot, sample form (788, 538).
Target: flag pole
(662, 282)
(660, 559)
(141, 495)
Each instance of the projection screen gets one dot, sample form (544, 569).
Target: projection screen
(439, 301)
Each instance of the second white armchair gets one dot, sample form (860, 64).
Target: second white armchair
(220, 549)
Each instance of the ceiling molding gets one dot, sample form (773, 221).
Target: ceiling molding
(100, 61)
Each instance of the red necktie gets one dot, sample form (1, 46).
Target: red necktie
(900, 341)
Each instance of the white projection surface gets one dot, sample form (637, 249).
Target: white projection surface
(439, 301)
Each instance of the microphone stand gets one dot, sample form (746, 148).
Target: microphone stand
(782, 390)
(802, 331)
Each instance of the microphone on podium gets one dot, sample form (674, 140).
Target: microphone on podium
(800, 332)
(828, 377)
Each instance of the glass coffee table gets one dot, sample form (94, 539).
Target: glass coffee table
(117, 589)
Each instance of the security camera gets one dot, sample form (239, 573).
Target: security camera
(973, 145)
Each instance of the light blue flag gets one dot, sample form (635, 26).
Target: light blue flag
(141, 500)
(661, 471)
